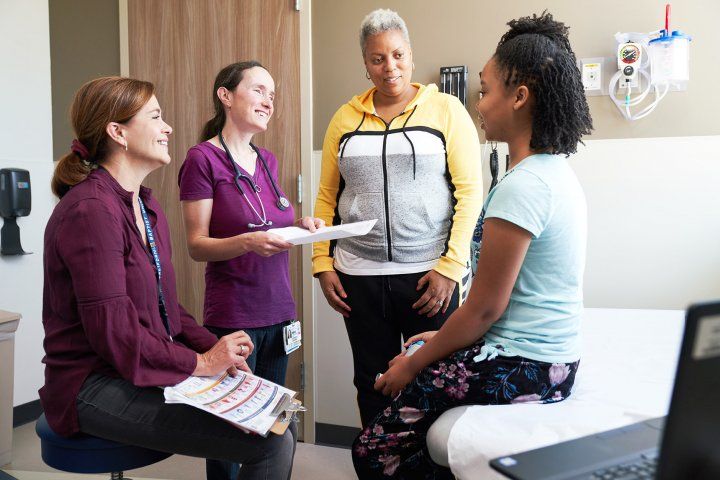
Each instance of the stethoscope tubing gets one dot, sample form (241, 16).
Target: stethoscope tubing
(282, 202)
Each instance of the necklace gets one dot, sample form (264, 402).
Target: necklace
(247, 159)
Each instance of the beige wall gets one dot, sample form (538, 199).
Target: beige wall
(465, 32)
(84, 44)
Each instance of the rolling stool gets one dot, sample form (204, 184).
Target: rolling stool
(88, 454)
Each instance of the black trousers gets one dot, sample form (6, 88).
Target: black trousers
(381, 316)
(115, 409)
(268, 361)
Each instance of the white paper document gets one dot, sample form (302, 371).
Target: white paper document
(246, 401)
(300, 236)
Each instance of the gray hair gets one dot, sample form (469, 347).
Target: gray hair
(379, 21)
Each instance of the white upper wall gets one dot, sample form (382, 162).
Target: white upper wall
(26, 139)
(653, 221)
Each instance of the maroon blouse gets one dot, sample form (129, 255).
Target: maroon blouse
(100, 299)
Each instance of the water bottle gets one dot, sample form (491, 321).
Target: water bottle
(414, 347)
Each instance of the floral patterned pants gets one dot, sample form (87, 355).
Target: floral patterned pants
(394, 444)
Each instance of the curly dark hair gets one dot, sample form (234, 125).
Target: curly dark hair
(536, 52)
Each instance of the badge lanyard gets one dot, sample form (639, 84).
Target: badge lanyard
(158, 267)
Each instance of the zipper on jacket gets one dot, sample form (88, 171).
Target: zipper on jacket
(385, 182)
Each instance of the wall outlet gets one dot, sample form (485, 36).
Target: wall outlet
(596, 73)
(592, 76)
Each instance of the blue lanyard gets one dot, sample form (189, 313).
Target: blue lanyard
(158, 266)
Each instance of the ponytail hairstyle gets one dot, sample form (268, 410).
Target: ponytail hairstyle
(229, 77)
(536, 52)
(96, 104)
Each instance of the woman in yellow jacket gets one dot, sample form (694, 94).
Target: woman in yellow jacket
(409, 156)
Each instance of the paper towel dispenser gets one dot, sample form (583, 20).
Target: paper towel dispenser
(15, 201)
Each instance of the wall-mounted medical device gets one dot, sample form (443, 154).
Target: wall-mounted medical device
(628, 63)
(453, 80)
(644, 64)
(15, 201)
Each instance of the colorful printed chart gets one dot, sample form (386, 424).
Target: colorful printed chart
(245, 400)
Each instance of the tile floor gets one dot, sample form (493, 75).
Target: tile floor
(312, 462)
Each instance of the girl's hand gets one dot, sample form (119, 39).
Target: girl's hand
(425, 336)
(396, 378)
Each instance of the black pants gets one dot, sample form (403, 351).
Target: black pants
(115, 409)
(381, 316)
(268, 361)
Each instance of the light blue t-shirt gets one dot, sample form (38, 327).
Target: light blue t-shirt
(542, 321)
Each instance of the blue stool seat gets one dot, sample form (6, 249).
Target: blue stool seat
(88, 454)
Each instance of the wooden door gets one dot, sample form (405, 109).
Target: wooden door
(180, 45)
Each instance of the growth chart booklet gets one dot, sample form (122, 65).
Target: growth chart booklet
(249, 402)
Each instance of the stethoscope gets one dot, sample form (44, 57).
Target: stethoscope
(282, 202)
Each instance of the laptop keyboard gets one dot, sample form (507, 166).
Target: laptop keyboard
(643, 468)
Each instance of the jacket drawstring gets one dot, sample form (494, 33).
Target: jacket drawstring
(412, 146)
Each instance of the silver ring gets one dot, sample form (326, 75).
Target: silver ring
(439, 302)
(242, 350)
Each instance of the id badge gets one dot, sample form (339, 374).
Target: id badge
(292, 336)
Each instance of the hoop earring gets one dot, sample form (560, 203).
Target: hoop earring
(367, 75)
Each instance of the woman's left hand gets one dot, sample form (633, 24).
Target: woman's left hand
(438, 294)
(310, 223)
(397, 376)
(240, 366)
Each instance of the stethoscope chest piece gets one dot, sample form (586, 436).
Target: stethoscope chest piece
(268, 223)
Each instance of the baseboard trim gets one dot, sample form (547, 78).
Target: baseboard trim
(335, 435)
(26, 413)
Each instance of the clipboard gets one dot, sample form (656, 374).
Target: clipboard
(286, 409)
(247, 402)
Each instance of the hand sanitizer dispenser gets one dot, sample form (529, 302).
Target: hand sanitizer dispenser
(15, 201)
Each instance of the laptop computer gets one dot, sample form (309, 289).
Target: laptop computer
(683, 445)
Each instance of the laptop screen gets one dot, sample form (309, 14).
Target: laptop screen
(691, 441)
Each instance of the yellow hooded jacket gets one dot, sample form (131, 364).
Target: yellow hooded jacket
(419, 175)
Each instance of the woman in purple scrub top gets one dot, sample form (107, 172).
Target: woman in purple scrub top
(230, 197)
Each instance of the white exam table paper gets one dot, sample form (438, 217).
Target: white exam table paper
(301, 236)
